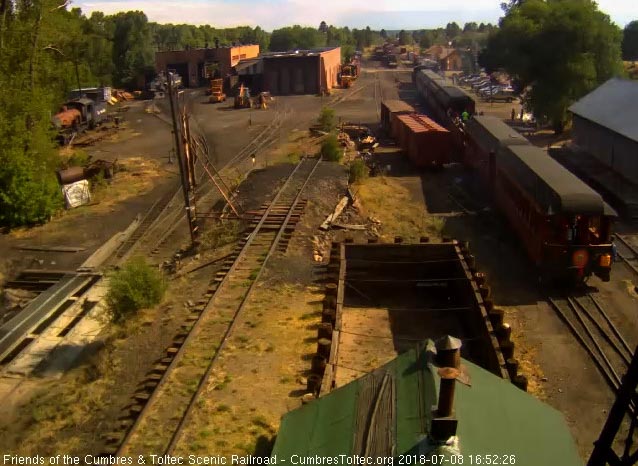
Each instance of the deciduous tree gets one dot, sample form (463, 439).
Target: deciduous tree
(561, 48)
(630, 41)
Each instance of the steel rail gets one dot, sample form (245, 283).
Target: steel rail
(181, 350)
(596, 352)
(273, 247)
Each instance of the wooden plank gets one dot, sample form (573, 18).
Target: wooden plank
(335, 214)
(50, 248)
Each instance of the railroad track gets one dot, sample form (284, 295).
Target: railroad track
(597, 334)
(168, 212)
(628, 253)
(165, 400)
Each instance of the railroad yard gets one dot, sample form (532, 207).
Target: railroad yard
(253, 308)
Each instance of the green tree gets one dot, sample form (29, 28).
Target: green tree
(630, 41)
(470, 27)
(384, 34)
(542, 44)
(405, 38)
(323, 27)
(295, 37)
(452, 30)
(133, 55)
(426, 41)
(31, 59)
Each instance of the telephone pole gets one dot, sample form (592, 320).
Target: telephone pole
(180, 141)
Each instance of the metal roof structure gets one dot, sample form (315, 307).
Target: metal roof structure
(388, 413)
(298, 53)
(610, 105)
(491, 133)
(421, 123)
(394, 106)
(555, 188)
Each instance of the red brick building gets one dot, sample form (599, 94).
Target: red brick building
(192, 64)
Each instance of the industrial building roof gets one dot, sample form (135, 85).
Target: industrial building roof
(388, 413)
(610, 106)
(555, 188)
(299, 53)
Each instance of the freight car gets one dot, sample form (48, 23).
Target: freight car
(444, 100)
(389, 110)
(425, 142)
(562, 223)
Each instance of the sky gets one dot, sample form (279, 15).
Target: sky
(272, 14)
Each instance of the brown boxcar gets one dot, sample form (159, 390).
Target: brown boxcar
(425, 142)
(390, 108)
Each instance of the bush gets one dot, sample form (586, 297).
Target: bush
(330, 149)
(326, 120)
(135, 286)
(358, 171)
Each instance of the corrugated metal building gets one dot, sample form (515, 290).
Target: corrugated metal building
(392, 413)
(301, 71)
(606, 127)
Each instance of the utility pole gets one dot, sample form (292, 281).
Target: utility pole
(179, 144)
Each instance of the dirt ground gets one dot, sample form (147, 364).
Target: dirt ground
(264, 374)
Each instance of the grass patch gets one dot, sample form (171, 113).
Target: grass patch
(260, 421)
(293, 157)
(221, 234)
(393, 205)
(224, 383)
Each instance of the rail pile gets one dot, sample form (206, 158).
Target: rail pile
(163, 404)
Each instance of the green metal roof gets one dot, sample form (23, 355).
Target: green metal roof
(388, 413)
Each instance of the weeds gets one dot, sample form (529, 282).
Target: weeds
(220, 235)
(135, 286)
(326, 119)
(224, 383)
(330, 149)
(358, 171)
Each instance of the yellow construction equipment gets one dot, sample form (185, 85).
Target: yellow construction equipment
(349, 72)
(216, 91)
(242, 99)
(264, 99)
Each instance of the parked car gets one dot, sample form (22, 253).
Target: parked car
(479, 84)
(501, 96)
